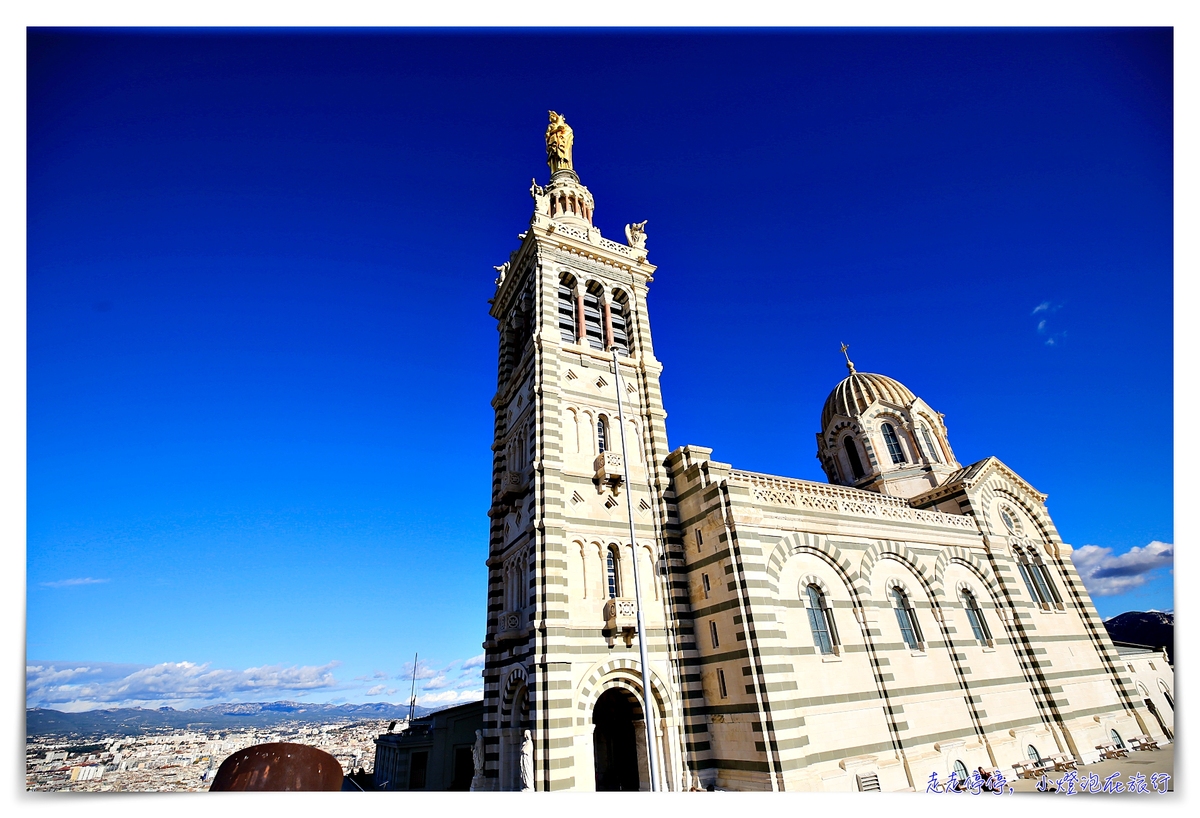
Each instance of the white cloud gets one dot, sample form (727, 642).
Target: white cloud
(448, 697)
(474, 661)
(83, 687)
(436, 684)
(1104, 574)
(1043, 307)
(71, 583)
(381, 690)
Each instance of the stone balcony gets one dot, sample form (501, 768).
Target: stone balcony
(620, 614)
(509, 625)
(610, 469)
(513, 484)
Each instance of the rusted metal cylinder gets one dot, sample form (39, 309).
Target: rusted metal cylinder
(279, 767)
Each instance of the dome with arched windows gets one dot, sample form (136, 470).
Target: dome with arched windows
(857, 391)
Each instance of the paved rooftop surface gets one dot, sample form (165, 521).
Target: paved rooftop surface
(1146, 762)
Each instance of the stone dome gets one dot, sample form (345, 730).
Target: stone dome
(856, 392)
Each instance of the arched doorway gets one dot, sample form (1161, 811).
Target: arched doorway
(619, 741)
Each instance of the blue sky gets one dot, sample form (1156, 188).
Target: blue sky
(260, 361)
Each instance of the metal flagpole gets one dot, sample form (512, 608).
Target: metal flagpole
(647, 704)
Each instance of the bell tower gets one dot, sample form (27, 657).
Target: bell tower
(560, 616)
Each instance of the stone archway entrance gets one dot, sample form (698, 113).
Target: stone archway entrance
(619, 742)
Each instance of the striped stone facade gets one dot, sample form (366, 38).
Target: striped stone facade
(745, 694)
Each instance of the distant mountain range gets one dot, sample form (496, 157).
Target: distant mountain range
(230, 715)
(1155, 629)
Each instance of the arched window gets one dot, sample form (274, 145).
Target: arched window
(893, 444)
(618, 314)
(906, 617)
(930, 447)
(852, 456)
(979, 625)
(820, 620)
(614, 580)
(1116, 739)
(1037, 579)
(566, 310)
(960, 771)
(602, 433)
(593, 317)
(1166, 693)
(1033, 753)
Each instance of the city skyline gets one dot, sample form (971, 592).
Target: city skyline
(260, 362)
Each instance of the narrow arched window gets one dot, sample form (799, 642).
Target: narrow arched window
(602, 433)
(930, 447)
(1166, 693)
(566, 310)
(852, 456)
(618, 313)
(960, 771)
(893, 444)
(906, 617)
(614, 582)
(820, 620)
(1033, 753)
(979, 625)
(1116, 739)
(593, 318)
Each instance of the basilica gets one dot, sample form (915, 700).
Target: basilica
(913, 615)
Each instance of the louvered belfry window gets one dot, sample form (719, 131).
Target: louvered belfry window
(852, 456)
(566, 311)
(593, 319)
(930, 447)
(619, 316)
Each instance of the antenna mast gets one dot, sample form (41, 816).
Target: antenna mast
(412, 698)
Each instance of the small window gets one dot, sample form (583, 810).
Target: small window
(704, 582)
(1116, 739)
(852, 456)
(614, 585)
(906, 617)
(712, 631)
(820, 620)
(602, 433)
(721, 684)
(893, 444)
(960, 771)
(699, 539)
(979, 625)
(1009, 520)
(1033, 753)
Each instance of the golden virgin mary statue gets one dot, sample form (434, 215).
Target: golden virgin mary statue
(559, 139)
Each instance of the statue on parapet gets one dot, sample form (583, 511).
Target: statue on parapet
(541, 202)
(635, 234)
(559, 140)
(502, 270)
